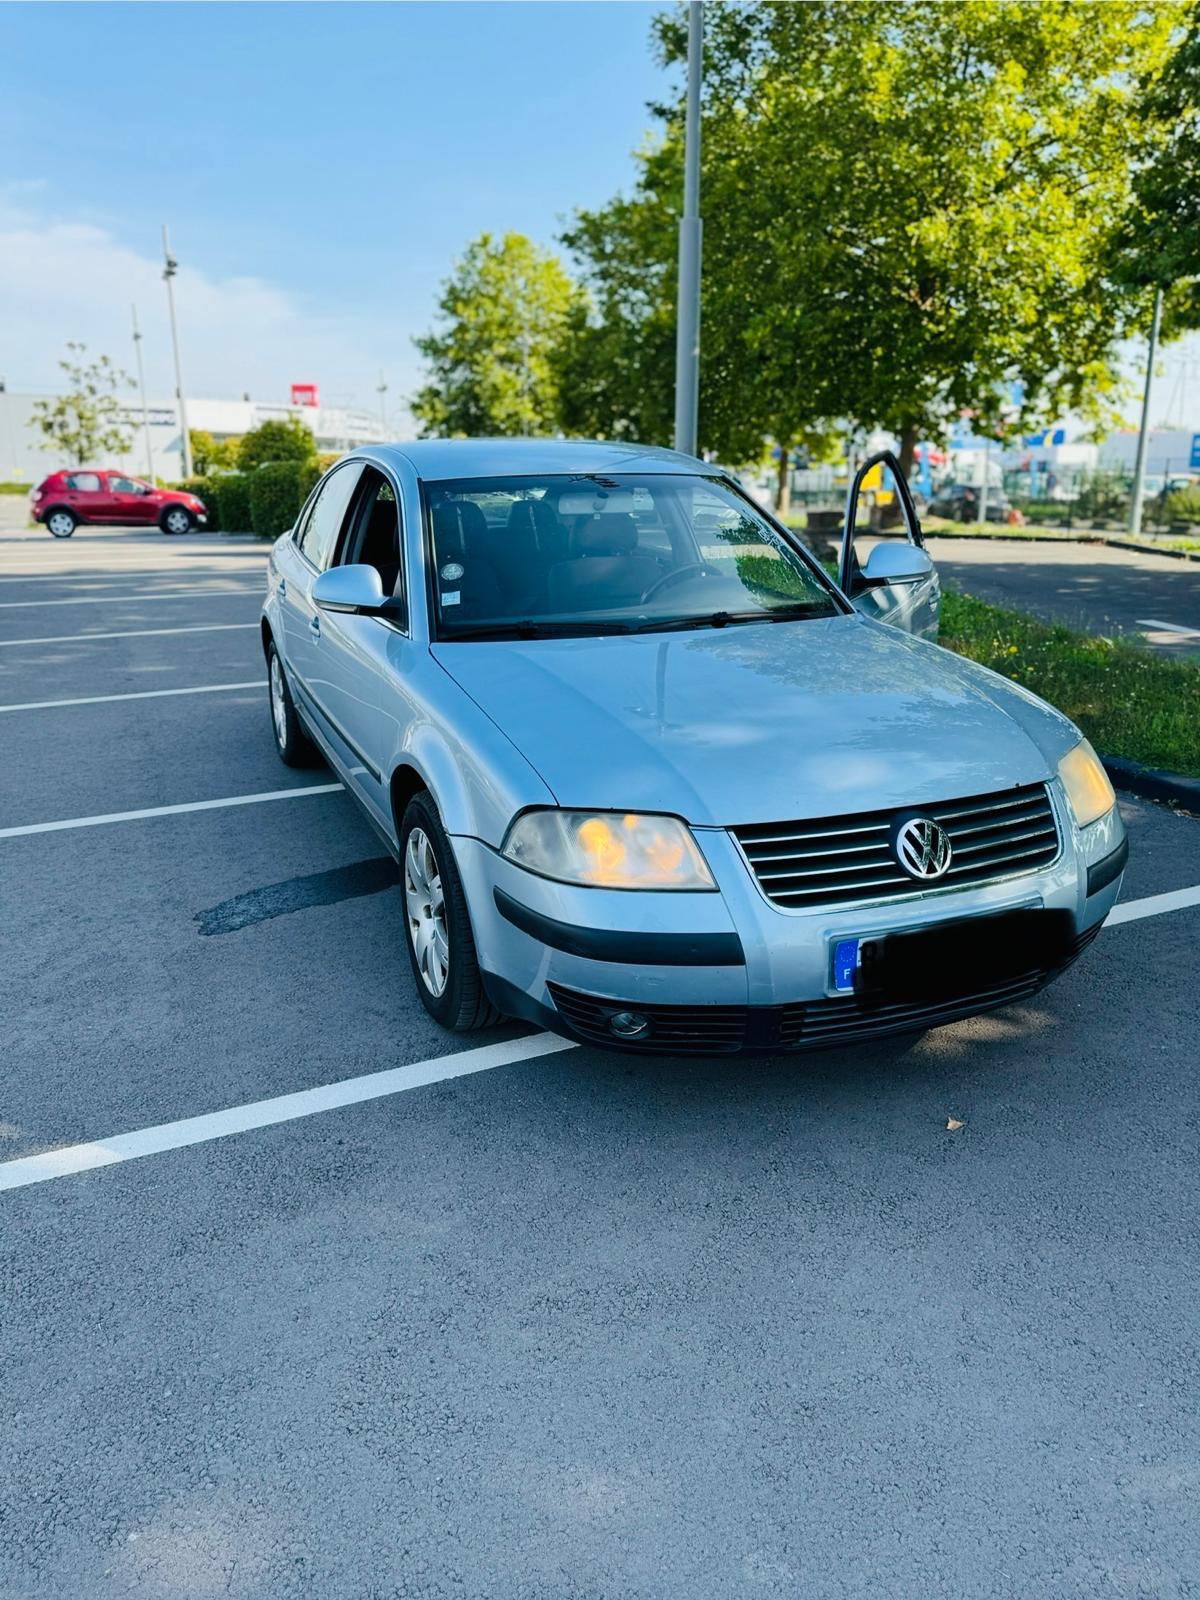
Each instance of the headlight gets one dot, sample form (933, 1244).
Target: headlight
(1086, 782)
(608, 849)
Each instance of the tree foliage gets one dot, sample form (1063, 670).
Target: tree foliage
(210, 454)
(492, 363)
(908, 211)
(1159, 243)
(287, 440)
(86, 423)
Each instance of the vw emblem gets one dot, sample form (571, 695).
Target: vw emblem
(921, 847)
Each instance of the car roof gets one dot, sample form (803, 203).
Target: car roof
(433, 459)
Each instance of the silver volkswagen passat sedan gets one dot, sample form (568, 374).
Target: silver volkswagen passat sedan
(656, 781)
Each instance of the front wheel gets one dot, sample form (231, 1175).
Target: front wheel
(295, 748)
(437, 928)
(61, 524)
(176, 519)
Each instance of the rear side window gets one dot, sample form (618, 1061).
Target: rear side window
(327, 513)
(86, 482)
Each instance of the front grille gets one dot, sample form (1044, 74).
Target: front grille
(834, 860)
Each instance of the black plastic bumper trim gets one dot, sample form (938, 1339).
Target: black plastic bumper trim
(633, 949)
(1101, 873)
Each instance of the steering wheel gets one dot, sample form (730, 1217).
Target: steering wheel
(677, 575)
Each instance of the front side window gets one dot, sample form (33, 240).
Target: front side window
(327, 513)
(562, 555)
(125, 485)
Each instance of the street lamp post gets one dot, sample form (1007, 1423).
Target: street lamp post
(170, 268)
(687, 333)
(1139, 466)
(137, 345)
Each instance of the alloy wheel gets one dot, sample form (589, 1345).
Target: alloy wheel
(177, 521)
(61, 525)
(278, 702)
(425, 907)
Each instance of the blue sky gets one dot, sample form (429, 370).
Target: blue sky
(320, 167)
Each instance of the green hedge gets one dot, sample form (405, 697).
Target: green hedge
(233, 501)
(277, 491)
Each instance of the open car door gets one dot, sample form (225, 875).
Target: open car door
(884, 568)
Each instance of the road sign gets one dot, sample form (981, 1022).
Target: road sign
(1194, 461)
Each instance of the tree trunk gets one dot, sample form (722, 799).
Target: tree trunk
(908, 449)
(783, 493)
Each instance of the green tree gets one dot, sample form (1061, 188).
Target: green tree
(1159, 243)
(287, 440)
(908, 210)
(492, 363)
(86, 423)
(209, 453)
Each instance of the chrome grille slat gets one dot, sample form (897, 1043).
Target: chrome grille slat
(835, 860)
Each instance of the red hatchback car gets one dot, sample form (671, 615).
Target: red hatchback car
(65, 499)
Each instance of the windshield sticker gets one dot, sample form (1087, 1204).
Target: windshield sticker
(452, 572)
(451, 599)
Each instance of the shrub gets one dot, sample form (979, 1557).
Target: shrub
(1183, 505)
(276, 441)
(277, 491)
(233, 501)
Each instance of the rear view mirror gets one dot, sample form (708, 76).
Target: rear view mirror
(354, 589)
(896, 563)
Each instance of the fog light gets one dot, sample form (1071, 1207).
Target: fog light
(628, 1024)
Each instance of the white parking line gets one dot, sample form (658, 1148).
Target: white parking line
(268, 1113)
(1153, 906)
(141, 694)
(133, 633)
(104, 572)
(1168, 627)
(168, 811)
(107, 599)
(70, 1159)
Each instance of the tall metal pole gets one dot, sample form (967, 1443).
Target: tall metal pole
(1139, 466)
(170, 268)
(687, 334)
(137, 345)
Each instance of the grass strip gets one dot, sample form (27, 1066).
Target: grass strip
(1128, 701)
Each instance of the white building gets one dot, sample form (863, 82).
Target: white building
(24, 460)
(1170, 452)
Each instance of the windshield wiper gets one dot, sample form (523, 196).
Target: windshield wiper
(532, 630)
(723, 619)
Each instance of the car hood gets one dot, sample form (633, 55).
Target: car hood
(760, 722)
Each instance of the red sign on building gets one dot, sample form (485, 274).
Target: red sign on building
(305, 394)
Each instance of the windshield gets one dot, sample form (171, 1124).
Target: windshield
(543, 557)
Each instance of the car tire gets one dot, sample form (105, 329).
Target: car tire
(61, 523)
(176, 519)
(437, 926)
(295, 748)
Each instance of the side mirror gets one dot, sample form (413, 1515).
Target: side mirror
(356, 589)
(896, 563)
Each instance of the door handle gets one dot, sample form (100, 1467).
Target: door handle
(314, 626)
(283, 588)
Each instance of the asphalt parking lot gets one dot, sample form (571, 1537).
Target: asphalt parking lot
(1096, 588)
(532, 1322)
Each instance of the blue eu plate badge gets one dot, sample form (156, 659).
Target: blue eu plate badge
(845, 964)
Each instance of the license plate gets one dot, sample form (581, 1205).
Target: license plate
(951, 956)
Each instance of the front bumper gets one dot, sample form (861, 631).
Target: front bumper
(732, 972)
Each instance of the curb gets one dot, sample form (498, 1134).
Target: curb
(1152, 784)
(1083, 538)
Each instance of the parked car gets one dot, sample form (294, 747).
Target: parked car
(65, 499)
(960, 502)
(652, 778)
